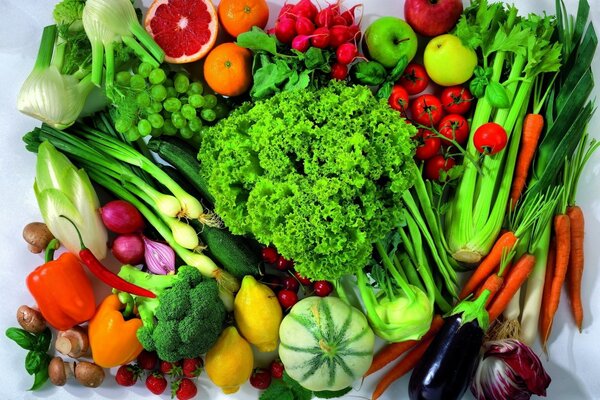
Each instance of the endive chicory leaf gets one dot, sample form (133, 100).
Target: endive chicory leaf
(62, 189)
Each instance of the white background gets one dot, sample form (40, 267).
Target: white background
(574, 359)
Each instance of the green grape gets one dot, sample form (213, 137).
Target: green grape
(210, 100)
(168, 82)
(137, 82)
(123, 124)
(221, 110)
(143, 100)
(133, 134)
(169, 128)
(122, 78)
(178, 120)
(196, 100)
(208, 114)
(144, 69)
(157, 76)
(156, 107)
(195, 124)
(156, 120)
(171, 92)
(172, 104)
(188, 111)
(144, 127)
(195, 88)
(158, 92)
(186, 132)
(181, 82)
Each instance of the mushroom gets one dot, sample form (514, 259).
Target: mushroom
(31, 319)
(73, 342)
(37, 235)
(86, 373)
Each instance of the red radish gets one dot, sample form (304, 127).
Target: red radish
(339, 71)
(129, 248)
(320, 38)
(339, 20)
(346, 53)
(301, 43)
(305, 8)
(120, 216)
(354, 31)
(285, 30)
(349, 16)
(286, 11)
(304, 26)
(324, 17)
(339, 34)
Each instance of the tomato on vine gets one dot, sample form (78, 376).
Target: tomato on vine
(456, 100)
(454, 127)
(490, 138)
(429, 144)
(414, 79)
(398, 100)
(436, 164)
(427, 110)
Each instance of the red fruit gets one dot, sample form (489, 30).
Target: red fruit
(287, 298)
(427, 110)
(273, 281)
(398, 99)
(432, 18)
(291, 283)
(171, 368)
(192, 367)
(436, 164)
(490, 138)
(414, 78)
(276, 368)
(322, 288)
(127, 375)
(283, 264)
(454, 127)
(456, 99)
(147, 360)
(339, 71)
(269, 255)
(303, 280)
(156, 383)
(260, 378)
(184, 389)
(429, 144)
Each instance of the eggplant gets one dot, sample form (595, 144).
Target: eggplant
(447, 366)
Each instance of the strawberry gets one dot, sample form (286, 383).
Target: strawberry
(260, 378)
(170, 368)
(277, 369)
(147, 360)
(184, 389)
(192, 367)
(127, 375)
(156, 383)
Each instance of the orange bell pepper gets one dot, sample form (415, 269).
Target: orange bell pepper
(113, 339)
(62, 290)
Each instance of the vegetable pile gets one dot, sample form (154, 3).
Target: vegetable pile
(310, 189)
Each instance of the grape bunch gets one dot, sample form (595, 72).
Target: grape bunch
(157, 101)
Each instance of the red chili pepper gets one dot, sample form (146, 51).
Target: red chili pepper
(104, 274)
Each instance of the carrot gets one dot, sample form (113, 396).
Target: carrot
(575, 269)
(489, 263)
(533, 125)
(402, 367)
(550, 265)
(512, 282)
(562, 232)
(392, 351)
(493, 283)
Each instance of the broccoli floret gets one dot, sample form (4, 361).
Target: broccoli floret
(186, 317)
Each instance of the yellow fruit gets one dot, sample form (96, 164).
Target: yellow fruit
(229, 362)
(258, 314)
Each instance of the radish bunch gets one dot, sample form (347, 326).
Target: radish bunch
(303, 25)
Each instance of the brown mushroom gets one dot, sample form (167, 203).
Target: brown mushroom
(31, 319)
(73, 342)
(37, 235)
(89, 374)
(59, 371)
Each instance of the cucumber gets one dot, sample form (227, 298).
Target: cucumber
(183, 158)
(238, 255)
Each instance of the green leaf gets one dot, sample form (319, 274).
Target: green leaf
(43, 340)
(23, 338)
(40, 378)
(332, 394)
(268, 78)
(277, 390)
(385, 90)
(34, 361)
(314, 58)
(257, 40)
(512, 42)
(370, 73)
(398, 69)
(299, 392)
(496, 95)
(480, 81)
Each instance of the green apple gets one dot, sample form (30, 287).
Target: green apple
(390, 38)
(448, 62)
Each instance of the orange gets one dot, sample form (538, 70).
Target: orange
(228, 69)
(185, 29)
(238, 16)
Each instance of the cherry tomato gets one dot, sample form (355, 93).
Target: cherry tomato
(427, 110)
(454, 127)
(490, 138)
(436, 164)
(414, 79)
(398, 100)
(430, 144)
(456, 100)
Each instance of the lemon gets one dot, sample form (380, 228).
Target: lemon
(229, 362)
(258, 314)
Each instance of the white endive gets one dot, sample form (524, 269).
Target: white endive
(62, 189)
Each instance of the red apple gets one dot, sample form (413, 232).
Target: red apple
(432, 17)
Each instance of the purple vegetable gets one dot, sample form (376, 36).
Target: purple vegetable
(129, 248)
(160, 258)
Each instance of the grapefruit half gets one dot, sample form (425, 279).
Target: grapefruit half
(185, 29)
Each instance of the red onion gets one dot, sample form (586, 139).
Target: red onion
(160, 258)
(122, 217)
(129, 248)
